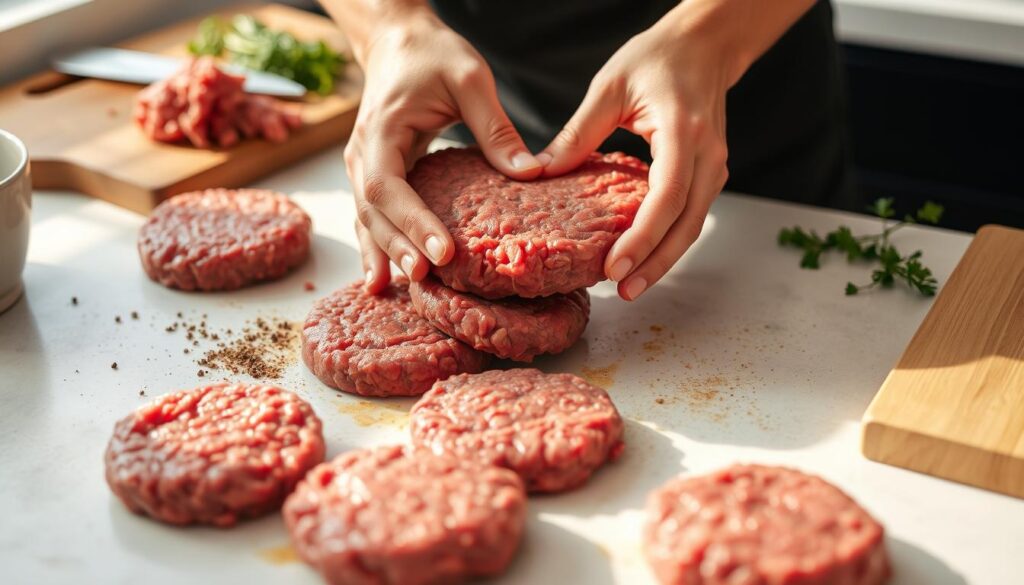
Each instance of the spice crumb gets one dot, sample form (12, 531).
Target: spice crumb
(309, 286)
(142, 392)
(74, 300)
(113, 366)
(117, 318)
(262, 349)
(660, 400)
(135, 315)
(201, 373)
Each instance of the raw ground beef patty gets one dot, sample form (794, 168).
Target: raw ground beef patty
(377, 345)
(511, 328)
(528, 238)
(223, 239)
(763, 526)
(213, 455)
(553, 430)
(387, 516)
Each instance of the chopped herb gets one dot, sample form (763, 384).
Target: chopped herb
(872, 248)
(247, 42)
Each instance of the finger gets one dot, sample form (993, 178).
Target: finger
(419, 148)
(393, 242)
(596, 118)
(670, 179)
(709, 178)
(376, 268)
(386, 190)
(381, 231)
(499, 140)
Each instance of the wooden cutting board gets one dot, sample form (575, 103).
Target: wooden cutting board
(954, 405)
(81, 136)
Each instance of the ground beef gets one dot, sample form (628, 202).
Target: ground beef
(209, 107)
(387, 516)
(213, 455)
(223, 239)
(534, 238)
(377, 345)
(511, 328)
(553, 430)
(758, 525)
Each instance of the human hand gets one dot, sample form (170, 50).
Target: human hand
(667, 84)
(420, 77)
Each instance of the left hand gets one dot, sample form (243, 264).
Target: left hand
(667, 84)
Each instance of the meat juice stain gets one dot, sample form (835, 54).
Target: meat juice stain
(603, 377)
(280, 555)
(369, 414)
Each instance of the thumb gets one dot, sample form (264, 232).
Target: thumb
(498, 138)
(596, 118)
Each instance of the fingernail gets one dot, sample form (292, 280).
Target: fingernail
(620, 269)
(544, 159)
(636, 287)
(523, 161)
(369, 278)
(407, 265)
(435, 248)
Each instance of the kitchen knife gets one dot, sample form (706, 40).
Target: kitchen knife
(144, 68)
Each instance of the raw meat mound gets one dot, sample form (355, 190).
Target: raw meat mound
(213, 455)
(511, 328)
(377, 345)
(223, 239)
(209, 107)
(528, 238)
(553, 430)
(763, 526)
(387, 516)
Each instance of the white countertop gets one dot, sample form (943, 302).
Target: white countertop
(985, 30)
(756, 360)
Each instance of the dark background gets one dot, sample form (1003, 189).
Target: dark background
(940, 129)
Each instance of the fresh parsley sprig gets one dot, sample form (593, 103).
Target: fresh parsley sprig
(247, 42)
(872, 248)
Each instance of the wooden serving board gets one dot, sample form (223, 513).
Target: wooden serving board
(80, 132)
(954, 405)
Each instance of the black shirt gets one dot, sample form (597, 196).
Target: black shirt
(785, 118)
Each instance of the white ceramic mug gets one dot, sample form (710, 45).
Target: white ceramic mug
(15, 215)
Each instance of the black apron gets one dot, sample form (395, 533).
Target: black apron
(785, 118)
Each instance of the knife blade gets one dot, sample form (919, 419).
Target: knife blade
(144, 68)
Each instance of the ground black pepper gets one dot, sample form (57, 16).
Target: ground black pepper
(263, 348)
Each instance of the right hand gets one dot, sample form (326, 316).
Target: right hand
(420, 78)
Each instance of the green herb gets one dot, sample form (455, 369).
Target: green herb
(209, 39)
(872, 248)
(247, 42)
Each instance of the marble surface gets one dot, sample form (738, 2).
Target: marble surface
(737, 355)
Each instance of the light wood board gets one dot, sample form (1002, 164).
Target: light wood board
(80, 132)
(954, 405)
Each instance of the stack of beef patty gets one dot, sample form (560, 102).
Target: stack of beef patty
(525, 251)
